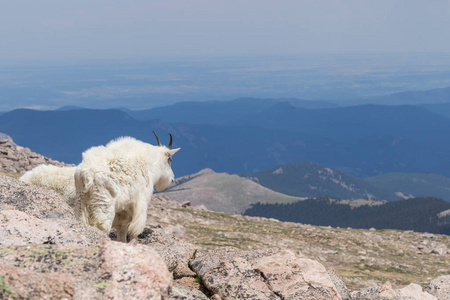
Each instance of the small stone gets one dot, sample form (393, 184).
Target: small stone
(186, 204)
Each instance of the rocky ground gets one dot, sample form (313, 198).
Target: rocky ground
(361, 257)
(17, 159)
(191, 253)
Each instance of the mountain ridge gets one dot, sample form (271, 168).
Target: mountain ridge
(222, 192)
(364, 141)
(306, 179)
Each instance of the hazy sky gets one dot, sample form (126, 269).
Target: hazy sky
(56, 29)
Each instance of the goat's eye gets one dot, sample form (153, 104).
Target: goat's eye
(169, 159)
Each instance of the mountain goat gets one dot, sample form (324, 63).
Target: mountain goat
(114, 184)
(59, 179)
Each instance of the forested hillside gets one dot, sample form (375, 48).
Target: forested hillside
(418, 214)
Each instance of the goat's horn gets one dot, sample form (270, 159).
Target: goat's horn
(170, 143)
(159, 143)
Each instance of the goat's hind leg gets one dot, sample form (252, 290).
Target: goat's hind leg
(101, 213)
(121, 223)
(122, 235)
(139, 218)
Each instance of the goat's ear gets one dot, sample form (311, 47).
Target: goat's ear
(173, 151)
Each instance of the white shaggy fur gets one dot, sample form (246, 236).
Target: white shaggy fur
(114, 184)
(59, 179)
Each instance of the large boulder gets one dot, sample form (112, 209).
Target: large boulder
(267, 274)
(294, 277)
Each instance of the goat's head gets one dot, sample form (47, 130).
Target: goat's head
(167, 176)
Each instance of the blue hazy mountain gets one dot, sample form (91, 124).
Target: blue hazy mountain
(64, 135)
(433, 96)
(353, 122)
(439, 108)
(218, 112)
(365, 140)
(210, 112)
(70, 107)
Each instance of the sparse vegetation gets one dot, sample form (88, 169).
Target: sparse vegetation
(13, 175)
(102, 285)
(5, 289)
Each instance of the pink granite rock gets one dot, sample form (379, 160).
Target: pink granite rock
(19, 228)
(439, 287)
(19, 283)
(135, 271)
(295, 278)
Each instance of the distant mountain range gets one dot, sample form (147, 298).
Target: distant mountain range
(250, 135)
(438, 108)
(210, 112)
(219, 112)
(433, 96)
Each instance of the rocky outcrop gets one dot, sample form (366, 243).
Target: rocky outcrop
(17, 159)
(4, 136)
(269, 274)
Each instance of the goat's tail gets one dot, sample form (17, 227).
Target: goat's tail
(83, 184)
(139, 218)
(83, 180)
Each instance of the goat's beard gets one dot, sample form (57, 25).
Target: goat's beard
(163, 183)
